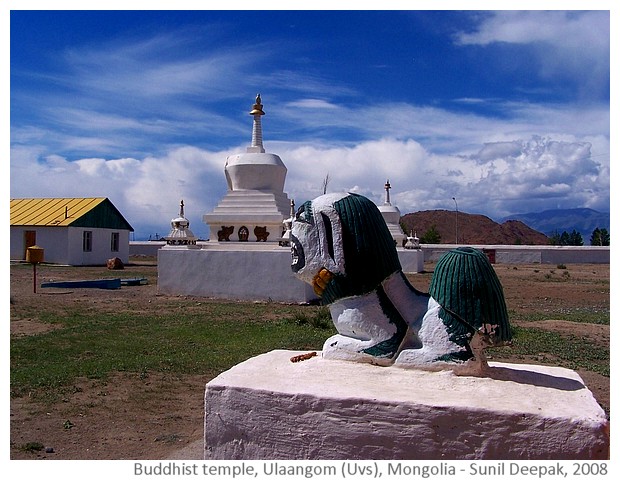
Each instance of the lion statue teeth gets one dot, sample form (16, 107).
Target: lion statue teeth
(341, 245)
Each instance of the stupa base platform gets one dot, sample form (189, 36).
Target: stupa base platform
(270, 408)
(232, 271)
(411, 261)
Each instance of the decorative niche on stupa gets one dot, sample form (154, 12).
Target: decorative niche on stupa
(255, 205)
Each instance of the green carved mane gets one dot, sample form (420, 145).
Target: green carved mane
(369, 252)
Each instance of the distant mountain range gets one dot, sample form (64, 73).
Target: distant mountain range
(471, 229)
(523, 229)
(583, 220)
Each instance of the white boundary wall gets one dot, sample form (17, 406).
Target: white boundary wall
(503, 253)
(528, 253)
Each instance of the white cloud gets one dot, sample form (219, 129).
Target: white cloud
(493, 151)
(312, 103)
(301, 81)
(562, 29)
(113, 170)
(542, 173)
(569, 44)
(158, 66)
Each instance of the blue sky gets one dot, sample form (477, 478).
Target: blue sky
(507, 111)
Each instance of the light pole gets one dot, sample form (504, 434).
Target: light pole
(456, 228)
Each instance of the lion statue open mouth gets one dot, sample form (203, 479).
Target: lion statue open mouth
(343, 248)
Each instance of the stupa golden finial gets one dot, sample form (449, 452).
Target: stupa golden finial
(257, 108)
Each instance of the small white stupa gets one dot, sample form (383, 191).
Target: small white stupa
(255, 204)
(412, 242)
(181, 235)
(391, 215)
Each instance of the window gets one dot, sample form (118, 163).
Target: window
(87, 241)
(114, 241)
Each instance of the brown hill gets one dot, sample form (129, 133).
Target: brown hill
(473, 229)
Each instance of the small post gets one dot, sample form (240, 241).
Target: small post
(34, 255)
(456, 228)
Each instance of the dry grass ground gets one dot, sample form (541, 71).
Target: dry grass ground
(160, 415)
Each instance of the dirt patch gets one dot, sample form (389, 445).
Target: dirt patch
(158, 416)
(23, 327)
(125, 417)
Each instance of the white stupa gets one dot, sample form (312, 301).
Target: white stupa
(181, 235)
(255, 204)
(391, 215)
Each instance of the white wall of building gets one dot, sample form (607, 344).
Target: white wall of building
(54, 240)
(63, 245)
(101, 246)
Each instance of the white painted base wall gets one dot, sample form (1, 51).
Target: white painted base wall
(411, 261)
(271, 408)
(255, 272)
(250, 271)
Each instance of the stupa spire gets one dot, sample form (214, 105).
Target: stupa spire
(387, 192)
(257, 129)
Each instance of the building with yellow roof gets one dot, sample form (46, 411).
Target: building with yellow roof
(72, 231)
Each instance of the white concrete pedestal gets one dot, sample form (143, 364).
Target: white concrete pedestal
(271, 408)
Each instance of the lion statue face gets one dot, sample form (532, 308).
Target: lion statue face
(316, 242)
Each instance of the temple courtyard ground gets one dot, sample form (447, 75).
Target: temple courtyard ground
(159, 414)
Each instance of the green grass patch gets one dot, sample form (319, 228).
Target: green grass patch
(205, 340)
(318, 318)
(31, 447)
(552, 348)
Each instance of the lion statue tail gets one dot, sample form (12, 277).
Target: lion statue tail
(466, 286)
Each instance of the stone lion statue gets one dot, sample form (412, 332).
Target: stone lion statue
(341, 245)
